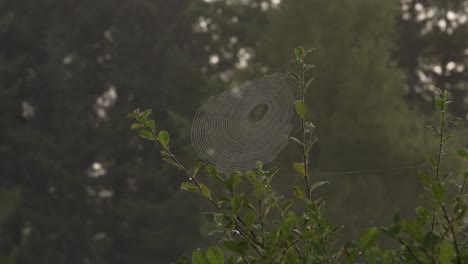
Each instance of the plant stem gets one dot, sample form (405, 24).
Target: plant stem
(439, 159)
(409, 251)
(441, 143)
(304, 145)
(454, 237)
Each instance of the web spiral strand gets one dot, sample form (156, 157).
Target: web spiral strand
(250, 123)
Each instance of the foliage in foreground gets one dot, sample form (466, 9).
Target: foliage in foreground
(264, 227)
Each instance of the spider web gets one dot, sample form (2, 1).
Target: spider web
(250, 123)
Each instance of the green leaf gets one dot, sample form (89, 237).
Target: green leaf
(147, 112)
(317, 184)
(424, 177)
(182, 260)
(369, 237)
(301, 108)
(296, 140)
(446, 252)
(163, 137)
(423, 213)
(259, 187)
(133, 115)
(438, 192)
(291, 256)
(440, 104)
(205, 190)
(249, 217)
(286, 205)
(259, 165)
(198, 257)
(431, 240)
(298, 191)
(240, 248)
(188, 186)
(459, 208)
(431, 161)
(142, 120)
(214, 173)
(295, 76)
(146, 134)
(308, 83)
(136, 126)
(197, 168)
(233, 180)
(299, 52)
(152, 125)
(463, 153)
(350, 251)
(299, 167)
(215, 255)
(272, 172)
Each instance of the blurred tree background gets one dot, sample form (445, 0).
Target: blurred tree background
(77, 186)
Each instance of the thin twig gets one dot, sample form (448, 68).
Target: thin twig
(304, 145)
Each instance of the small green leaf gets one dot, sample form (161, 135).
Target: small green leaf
(188, 186)
(298, 191)
(198, 257)
(214, 173)
(299, 52)
(350, 251)
(308, 83)
(163, 137)
(295, 76)
(259, 165)
(233, 180)
(397, 218)
(142, 120)
(430, 240)
(299, 167)
(459, 208)
(447, 174)
(152, 125)
(446, 253)
(240, 248)
(369, 237)
(135, 114)
(205, 190)
(182, 260)
(147, 112)
(440, 104)
(146, 134)
(272, 172)
(431, 161)
(296, 140)
(301, 108)
(237, 203)
(215, 255)
(424, 177)
(258, 185)
(438, 192)
(423, 213)
(463, 153)
(197, 168)
(317, 184)
(291, 256)
(249, 217)
(136, 126)
(286, 205)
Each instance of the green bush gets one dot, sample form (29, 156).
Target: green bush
(264, 227)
